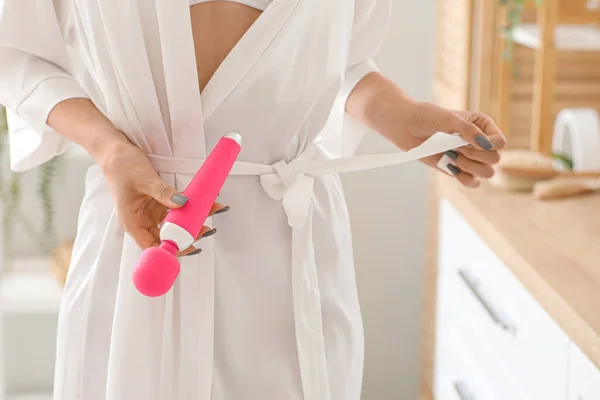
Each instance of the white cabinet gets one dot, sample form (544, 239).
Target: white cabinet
(459, 377)
(584, 377)
(515, 348)
(465, 366)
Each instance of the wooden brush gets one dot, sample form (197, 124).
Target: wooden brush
(561, 188)
(526, 164)
(513, 183)
(529, 165)
(580, 174)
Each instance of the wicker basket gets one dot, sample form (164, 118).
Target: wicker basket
(61, 259)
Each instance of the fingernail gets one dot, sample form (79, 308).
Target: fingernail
(194, 253)
(209, 233)
(453, 169)
(484, 143)
(452, 154)
(222, 210)
(179, 199)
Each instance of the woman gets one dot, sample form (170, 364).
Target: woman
(269, 309)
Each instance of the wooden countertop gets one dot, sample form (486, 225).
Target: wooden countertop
(553, 248)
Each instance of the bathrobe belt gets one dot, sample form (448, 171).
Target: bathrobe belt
(292, 183)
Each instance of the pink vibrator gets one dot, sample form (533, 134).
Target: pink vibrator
(157, 268)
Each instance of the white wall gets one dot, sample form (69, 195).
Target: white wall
(388, 216)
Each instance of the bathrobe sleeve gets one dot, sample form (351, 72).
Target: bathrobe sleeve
(34, 77)
(371, 24)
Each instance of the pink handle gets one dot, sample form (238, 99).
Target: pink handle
(158, 268)
(206, 185)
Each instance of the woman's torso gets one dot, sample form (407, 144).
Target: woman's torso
(217, 26)
(239, 57)
(234, 305)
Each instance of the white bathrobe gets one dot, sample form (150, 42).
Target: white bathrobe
(269, 310)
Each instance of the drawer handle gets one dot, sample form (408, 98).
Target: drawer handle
(473, 285)
(463, 391)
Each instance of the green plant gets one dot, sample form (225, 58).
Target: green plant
(565, 160)
(514, 14)
(10, 199)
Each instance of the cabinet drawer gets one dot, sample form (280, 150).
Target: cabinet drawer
(584, 377)
(464, 371)
(454, 381)
(529, 344)
(496, 307)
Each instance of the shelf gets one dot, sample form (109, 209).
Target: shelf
(568, 37)
(31, 290)
(32, 396)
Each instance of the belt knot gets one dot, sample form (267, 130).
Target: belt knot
(293, 187)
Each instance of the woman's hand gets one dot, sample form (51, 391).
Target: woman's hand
(380, 104)
(141, 198)
(469, 164)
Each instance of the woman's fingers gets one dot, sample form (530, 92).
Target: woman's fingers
(206, 232)
(498, 140)
(190, 251)
(159, 213)
(468, 180)
(471, 133)
(480, 131)
(475, 168)
(163, 193)
(155, 231)
(485, 157)
(218, 208)
(144, 237)
(150, 237)
(465, 178)
(491, 130)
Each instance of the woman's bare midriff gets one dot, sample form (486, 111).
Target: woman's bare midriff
(217, 26)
